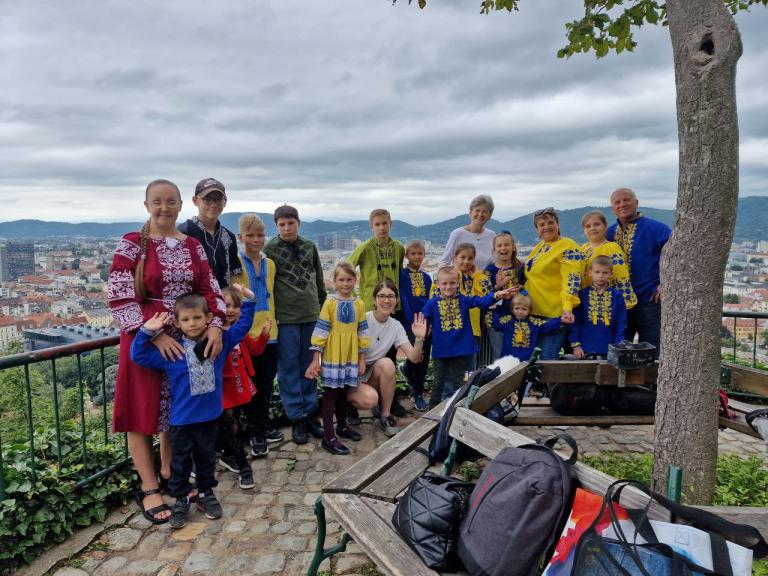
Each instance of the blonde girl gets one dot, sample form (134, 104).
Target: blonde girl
(340, 338)
(595, 227)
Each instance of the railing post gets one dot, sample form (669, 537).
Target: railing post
(104, 397)
(735, 331)
(754, 345)
(56, 417)
(30, 426)
(2, 473)
(82, 413)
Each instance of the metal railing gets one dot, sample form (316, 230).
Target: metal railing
(746, 315)
(34, 365)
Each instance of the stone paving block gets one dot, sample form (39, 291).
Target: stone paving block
(169, 570)
(203, 544)
(294, 543)
(325, 466)
(310, 497)
(239, 497)
(301, 514)
(238, 563)
(290, 498)
(90, 565)
(200, 563)
(139, 522)
(277, 513)
(123, 539)
(264, 499)
(258, 527)
(142, 567)
(281, 528)
(255, 512)
(152, 543)
(270, 488)
(220, 544)
(235, 526)
(307, 528)
(303, 466)
(213, 528)
(176, 551)
(70, 572)
(299, 456)
(111, 566)
(190, 532)
(269, 563)
(348, 563)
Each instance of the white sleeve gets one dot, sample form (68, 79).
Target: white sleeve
(447, 258)
(401, 338)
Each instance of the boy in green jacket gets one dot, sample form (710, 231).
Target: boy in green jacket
(299, 293)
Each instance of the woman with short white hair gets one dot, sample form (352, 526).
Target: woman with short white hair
(475, 233)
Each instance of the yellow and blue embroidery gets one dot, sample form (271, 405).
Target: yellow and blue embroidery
(450, 314)
(599, 308)
(522, 337)
(540, 250)
(417, 283)
(624, 238)
(574, 282)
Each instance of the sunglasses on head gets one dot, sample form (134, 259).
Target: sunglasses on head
(543, 211)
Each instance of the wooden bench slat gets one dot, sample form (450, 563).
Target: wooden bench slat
(369, 468)
(390, 484)
(748, 379)
(490, 438)
(546, 416)
(593, 372)
(738, 423)
(757, 517)
(376, 535)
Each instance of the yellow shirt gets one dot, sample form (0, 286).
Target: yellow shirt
(620, 269)
(553, 277)
(263, 315)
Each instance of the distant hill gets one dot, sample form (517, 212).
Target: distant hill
(751, 224)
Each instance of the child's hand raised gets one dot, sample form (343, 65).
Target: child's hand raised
(267, 327)
(157, 321)
(505, 294)
(245, 292)
(419, 326)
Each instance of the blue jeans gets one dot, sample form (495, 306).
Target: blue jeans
(299, 395)
(594, 561)
(645, 321)
(551, 343)
(449, 376)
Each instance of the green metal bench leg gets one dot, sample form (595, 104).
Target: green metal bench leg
(320, 552)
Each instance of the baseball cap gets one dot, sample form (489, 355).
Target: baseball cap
(208, 185)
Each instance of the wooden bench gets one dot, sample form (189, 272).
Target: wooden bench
(362, 498)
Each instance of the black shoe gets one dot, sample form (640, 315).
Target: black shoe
(245, 478)
(376, 411)
(179, 512)
(209, 505)
(274, 435)
(334, 447)
(299, 432)
(259, 447)
(397, 410)
(315, 428)
(353, 416)
(229, 462)
(347, 432)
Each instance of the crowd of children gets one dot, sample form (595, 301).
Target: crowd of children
(280, 322)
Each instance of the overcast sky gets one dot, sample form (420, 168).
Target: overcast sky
(338, 107)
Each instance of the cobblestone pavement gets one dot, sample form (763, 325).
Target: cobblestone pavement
(271, 529)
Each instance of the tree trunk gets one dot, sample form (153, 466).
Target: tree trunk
(706, 46)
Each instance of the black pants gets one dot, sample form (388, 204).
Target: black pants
(190, 441)
(416, 373)
(257, 410)
(645, 321)
(228, 441)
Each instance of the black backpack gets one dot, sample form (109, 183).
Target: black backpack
(594, 400)
(517, 510)
(440, 443)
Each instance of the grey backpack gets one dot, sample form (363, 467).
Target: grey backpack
(517, 510)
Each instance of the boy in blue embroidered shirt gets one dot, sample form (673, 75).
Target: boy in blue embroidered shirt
(196, 396)
(601, 319)
(415, 285)
(453, 343)
(521, 332)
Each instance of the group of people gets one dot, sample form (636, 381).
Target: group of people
(206, 327)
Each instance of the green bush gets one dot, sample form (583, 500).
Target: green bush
(38, 514)
(740, 481)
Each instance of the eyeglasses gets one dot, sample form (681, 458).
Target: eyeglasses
(167, 203)
(544, 211)
(214, 199)
(386, 297)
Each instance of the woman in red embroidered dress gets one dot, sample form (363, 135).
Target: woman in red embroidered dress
(150, 269)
